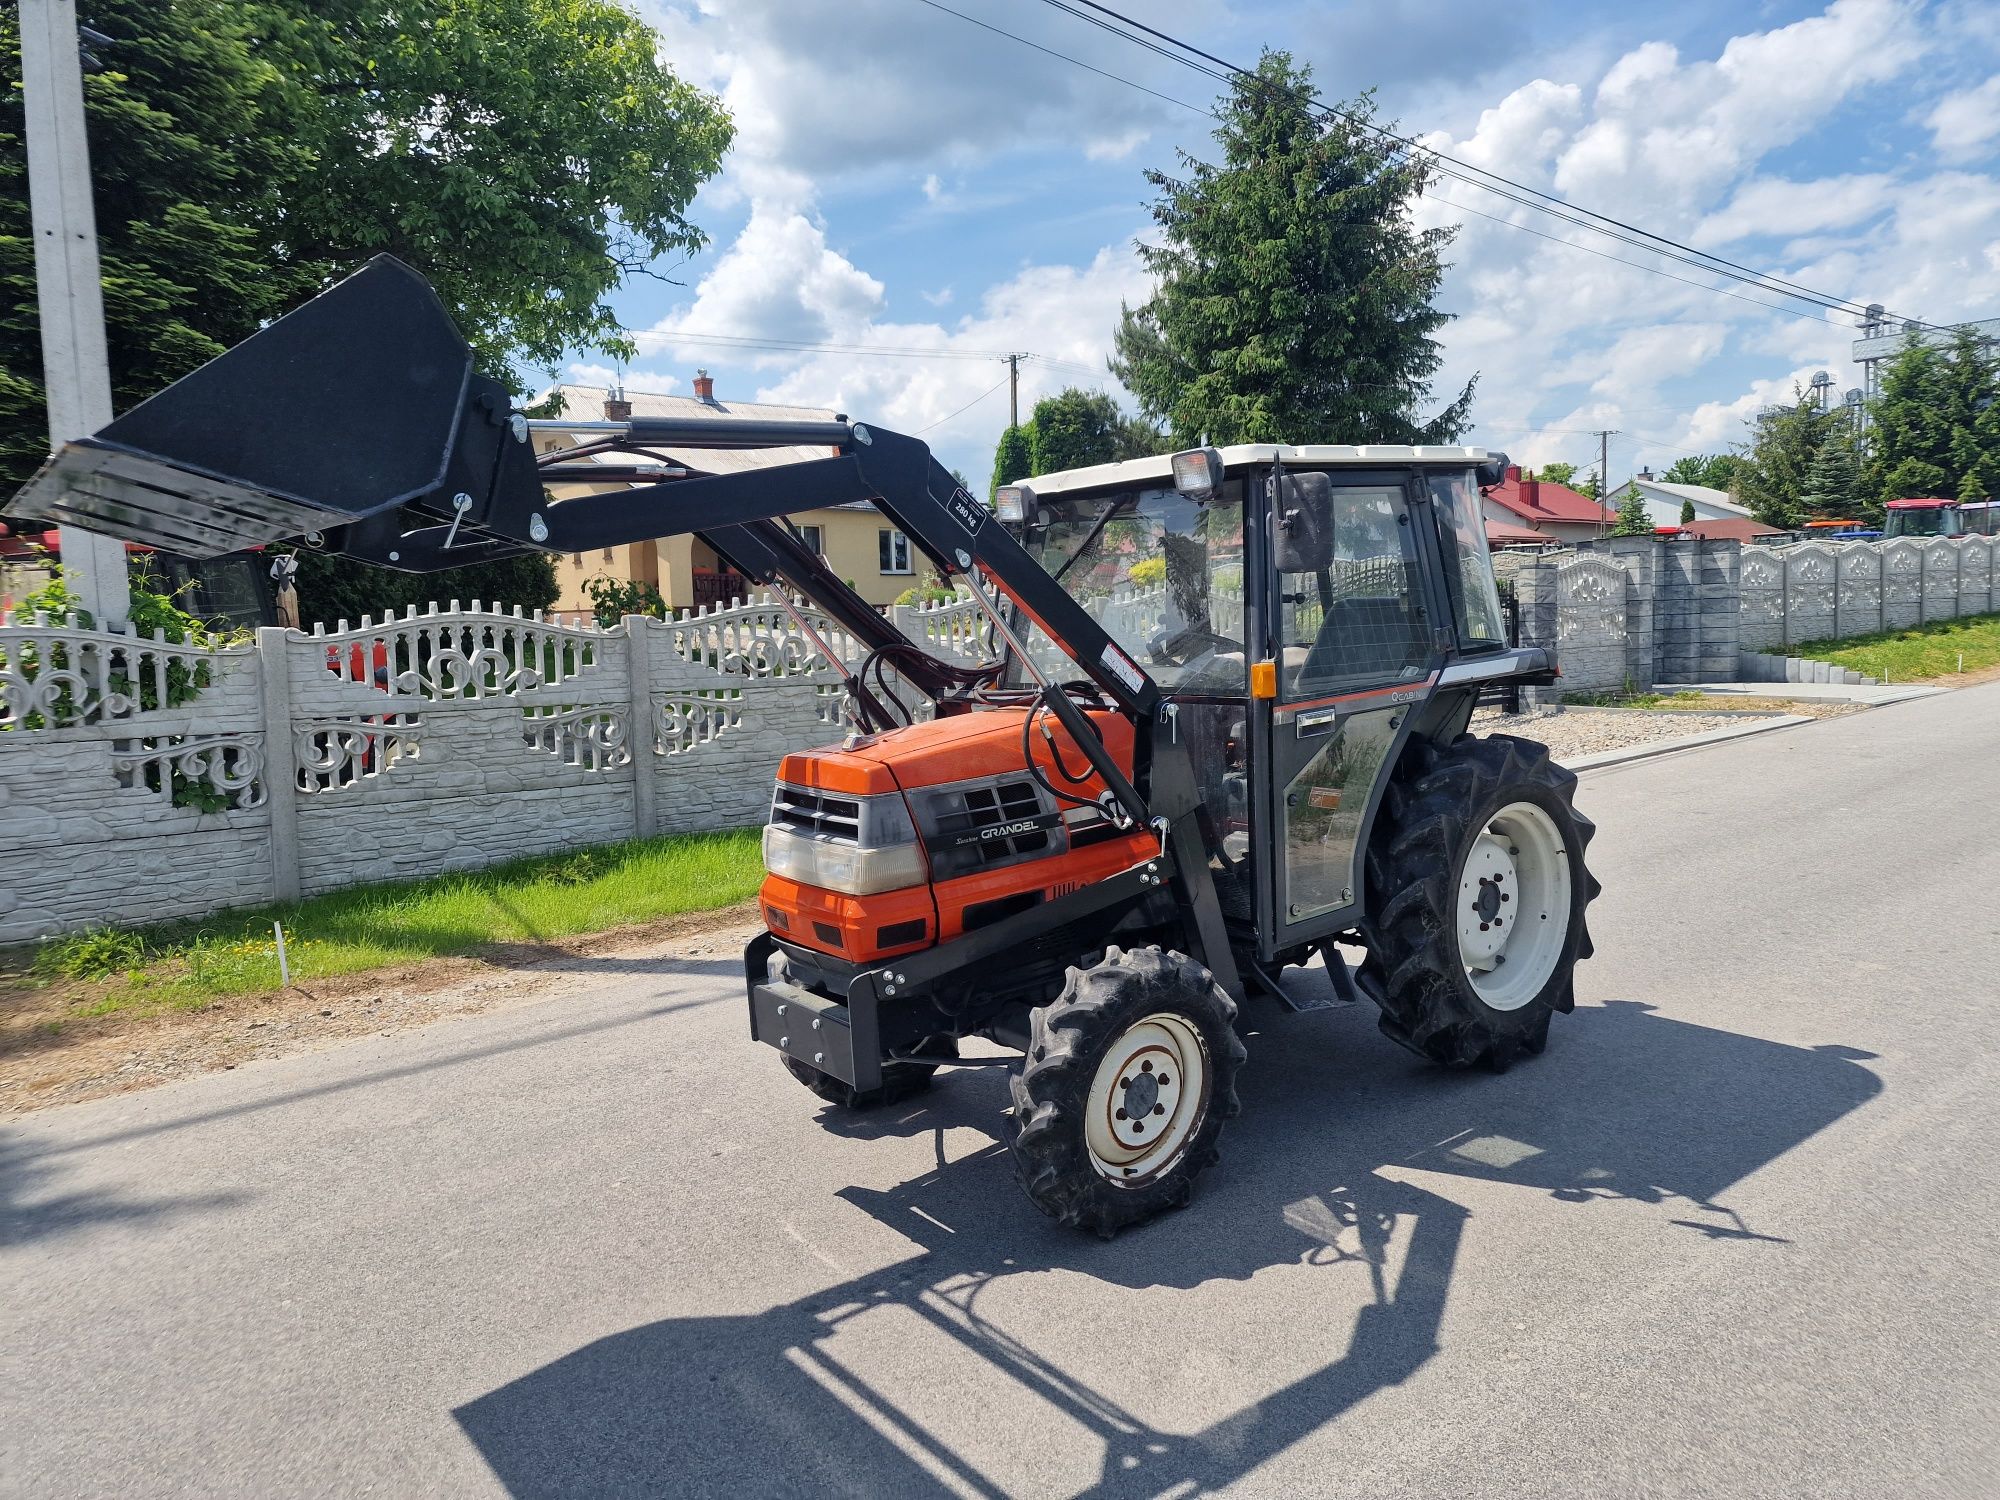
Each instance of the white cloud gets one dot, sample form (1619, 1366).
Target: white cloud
(1064, 314)
(1664, 127)
(1774, 206)
(1689, 147)
(1965, 124)
(835, 91)
(780, 280)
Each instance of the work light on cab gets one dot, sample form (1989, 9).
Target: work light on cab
(1198, 471)
(1013, 502)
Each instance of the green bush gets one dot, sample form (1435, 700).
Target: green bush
(96, 953)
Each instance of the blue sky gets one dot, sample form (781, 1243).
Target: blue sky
(905, 179)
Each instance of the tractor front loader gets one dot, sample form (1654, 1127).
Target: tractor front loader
(1224, 729)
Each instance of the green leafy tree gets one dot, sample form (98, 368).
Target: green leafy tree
(1013, 459)
(1076, 428)
(1936, 422)
(1915, 479)
(1135, 437)
(332, 589)
(1557, 473)
(1294, 296)
(1633, 517)
(1712, 471)
(1072, 429)
(525, 155)
(1833, 483)
(188, 165)
(1775, 473)
(1687, 512)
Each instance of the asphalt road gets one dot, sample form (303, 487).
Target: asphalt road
(1733, 1235)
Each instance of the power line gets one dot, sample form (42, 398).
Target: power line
(1468, 174)
(1482, 178)
(1065, 57)
(963, 409)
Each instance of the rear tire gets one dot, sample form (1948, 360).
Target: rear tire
(1477, 851)
(1129, 1075)
(900, 1080)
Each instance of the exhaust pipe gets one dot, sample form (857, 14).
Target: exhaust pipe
(344, 411)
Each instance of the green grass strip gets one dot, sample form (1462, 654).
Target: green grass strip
(183, 965)
(1932, 650)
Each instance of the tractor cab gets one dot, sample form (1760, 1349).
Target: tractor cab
(1290, 602)
(1923, 518)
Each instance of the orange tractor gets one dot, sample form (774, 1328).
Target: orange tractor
(1224, 731)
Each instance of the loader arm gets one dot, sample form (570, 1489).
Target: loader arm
(357, 423)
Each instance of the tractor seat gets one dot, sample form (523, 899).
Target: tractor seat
(1370, 638)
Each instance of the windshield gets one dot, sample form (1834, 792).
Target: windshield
(1937, 520)
(1161, 572)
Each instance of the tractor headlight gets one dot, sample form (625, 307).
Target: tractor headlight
(854, 845)
(1013, 502)
(1198, 471)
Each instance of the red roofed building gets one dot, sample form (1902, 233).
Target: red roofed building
(1499, 534)
(1736, 528)
(1547, 512)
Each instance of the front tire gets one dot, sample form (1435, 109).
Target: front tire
(1128, 1078)
(1477, 890)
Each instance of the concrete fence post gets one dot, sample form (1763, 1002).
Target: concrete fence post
(281, 785)
(639, 674)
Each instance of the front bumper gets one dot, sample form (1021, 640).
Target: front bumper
(841, 1040)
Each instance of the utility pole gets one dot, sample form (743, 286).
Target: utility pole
(76, 370)
(1604, 437)
(1013, 390)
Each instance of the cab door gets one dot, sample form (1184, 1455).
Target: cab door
(1354, 630)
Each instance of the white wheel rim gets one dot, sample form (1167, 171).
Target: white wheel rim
(1513, 906)
(1147, 1098)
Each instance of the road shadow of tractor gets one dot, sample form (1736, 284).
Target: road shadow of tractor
(878, 1386)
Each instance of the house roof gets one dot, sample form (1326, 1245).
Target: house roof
(1701, 494)
(1499, 534)
(1542, 500)
(585, 403)
(1737, 528)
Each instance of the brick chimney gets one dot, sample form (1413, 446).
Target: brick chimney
(616, 407)
(704, 387)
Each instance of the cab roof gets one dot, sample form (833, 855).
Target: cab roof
(1159, 468)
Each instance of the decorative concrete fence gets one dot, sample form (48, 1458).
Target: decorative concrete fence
(1815, 591)
(142, 781)
(1687, 608)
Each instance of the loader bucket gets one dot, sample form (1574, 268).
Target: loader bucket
(346, 407)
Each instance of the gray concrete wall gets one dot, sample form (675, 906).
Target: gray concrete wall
(499, 735)
(1815, 592)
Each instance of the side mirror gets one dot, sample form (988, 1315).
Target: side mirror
(1492, 472)
(1302, 524)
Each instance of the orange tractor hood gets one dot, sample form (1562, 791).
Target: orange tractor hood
(983, 743)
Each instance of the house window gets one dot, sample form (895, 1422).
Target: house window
(815, 538)
(895, 550)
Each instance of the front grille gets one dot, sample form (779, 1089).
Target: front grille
(955, 812)
(816, 812)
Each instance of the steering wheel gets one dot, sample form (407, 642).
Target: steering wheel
(1178, 648)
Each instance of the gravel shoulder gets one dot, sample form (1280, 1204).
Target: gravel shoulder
(50, 1055)
(1571, 733)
